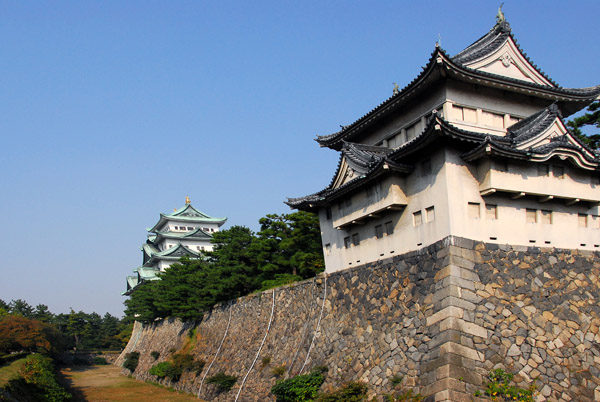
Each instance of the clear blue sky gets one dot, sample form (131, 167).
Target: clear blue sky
(114, 111)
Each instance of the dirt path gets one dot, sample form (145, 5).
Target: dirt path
(107, 384)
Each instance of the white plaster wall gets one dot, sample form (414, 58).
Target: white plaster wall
(449, 188)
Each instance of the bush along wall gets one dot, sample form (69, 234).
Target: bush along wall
(442, 318)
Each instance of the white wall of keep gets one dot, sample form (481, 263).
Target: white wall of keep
(447, 201)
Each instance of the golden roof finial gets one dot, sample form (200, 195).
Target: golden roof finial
(187, 200)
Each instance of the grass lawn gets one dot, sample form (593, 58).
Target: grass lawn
(106, 383)
(10, 371)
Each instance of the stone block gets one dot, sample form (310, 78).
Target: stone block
(461, 350)
(463, 326)
(450, 311)
(456, 302)
(455, 280)
(451, 290)
(445, 336)
(460, 373)
(461, 262)
(447, 384)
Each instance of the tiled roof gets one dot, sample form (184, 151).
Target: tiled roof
(485, 45)
(489, 43)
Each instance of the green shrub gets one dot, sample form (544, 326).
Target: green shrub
(499, 387)
(223, 381)
(131, 361)
(179, 363)
(265, 362)
(301, 388)
(161, 369)
(351, 392)
(99, 361)
(278, 371)
(38, 381)
(155, 355)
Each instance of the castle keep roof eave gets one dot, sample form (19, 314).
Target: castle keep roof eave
(186, 214)
(372, 162)
(441, 66)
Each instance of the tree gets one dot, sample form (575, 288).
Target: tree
(590, 118)
(20, 307)
(42, 313)
(21, 333)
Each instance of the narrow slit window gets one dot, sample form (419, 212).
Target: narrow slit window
(430, 214)
(417, 218)
(491, 211)
(426, 167)
(347, 242)
(379, 231)
(355, 239)
(531, 215)
(546, 217)
(389, 228)
(583, 220)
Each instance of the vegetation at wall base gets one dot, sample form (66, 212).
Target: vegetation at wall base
(286, 249)
(499, 388)
(223, 381)
(353, 391)
(178, 364)
(131, 361)
(301, 388)
(37, 382)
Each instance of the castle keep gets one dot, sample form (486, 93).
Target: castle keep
(475, 147)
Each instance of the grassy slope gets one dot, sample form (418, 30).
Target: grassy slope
(10, 371)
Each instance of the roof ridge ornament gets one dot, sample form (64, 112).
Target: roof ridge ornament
(396, 90)
(500, 16)
(187, 200)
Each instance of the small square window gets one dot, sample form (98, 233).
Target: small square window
(379, 231)
(491, 211)
(430, 214)
(543, 170)
(595, 179)
(583, 220)
(347, 242)
(546, 217)
(190, 228)
(355, 239)
(389, 228)
(531, 215)
(473, 208)
(558, 172)
(348, 202)
(417, 218)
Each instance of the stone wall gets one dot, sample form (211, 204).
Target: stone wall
(441, 317)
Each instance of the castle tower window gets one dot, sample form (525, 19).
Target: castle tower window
(355, 239)
(389, 228)
(583, 220)
(546, 217)
(543, 170)
(347, 242)
(558, 172)
(328, 213)
(473, 208)
(465, 114)
(493, 119)
(595, 179)
(379, 231)
(430, 214)
(328, 249)
(531, 215)
(491, 211)
(417, 218)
